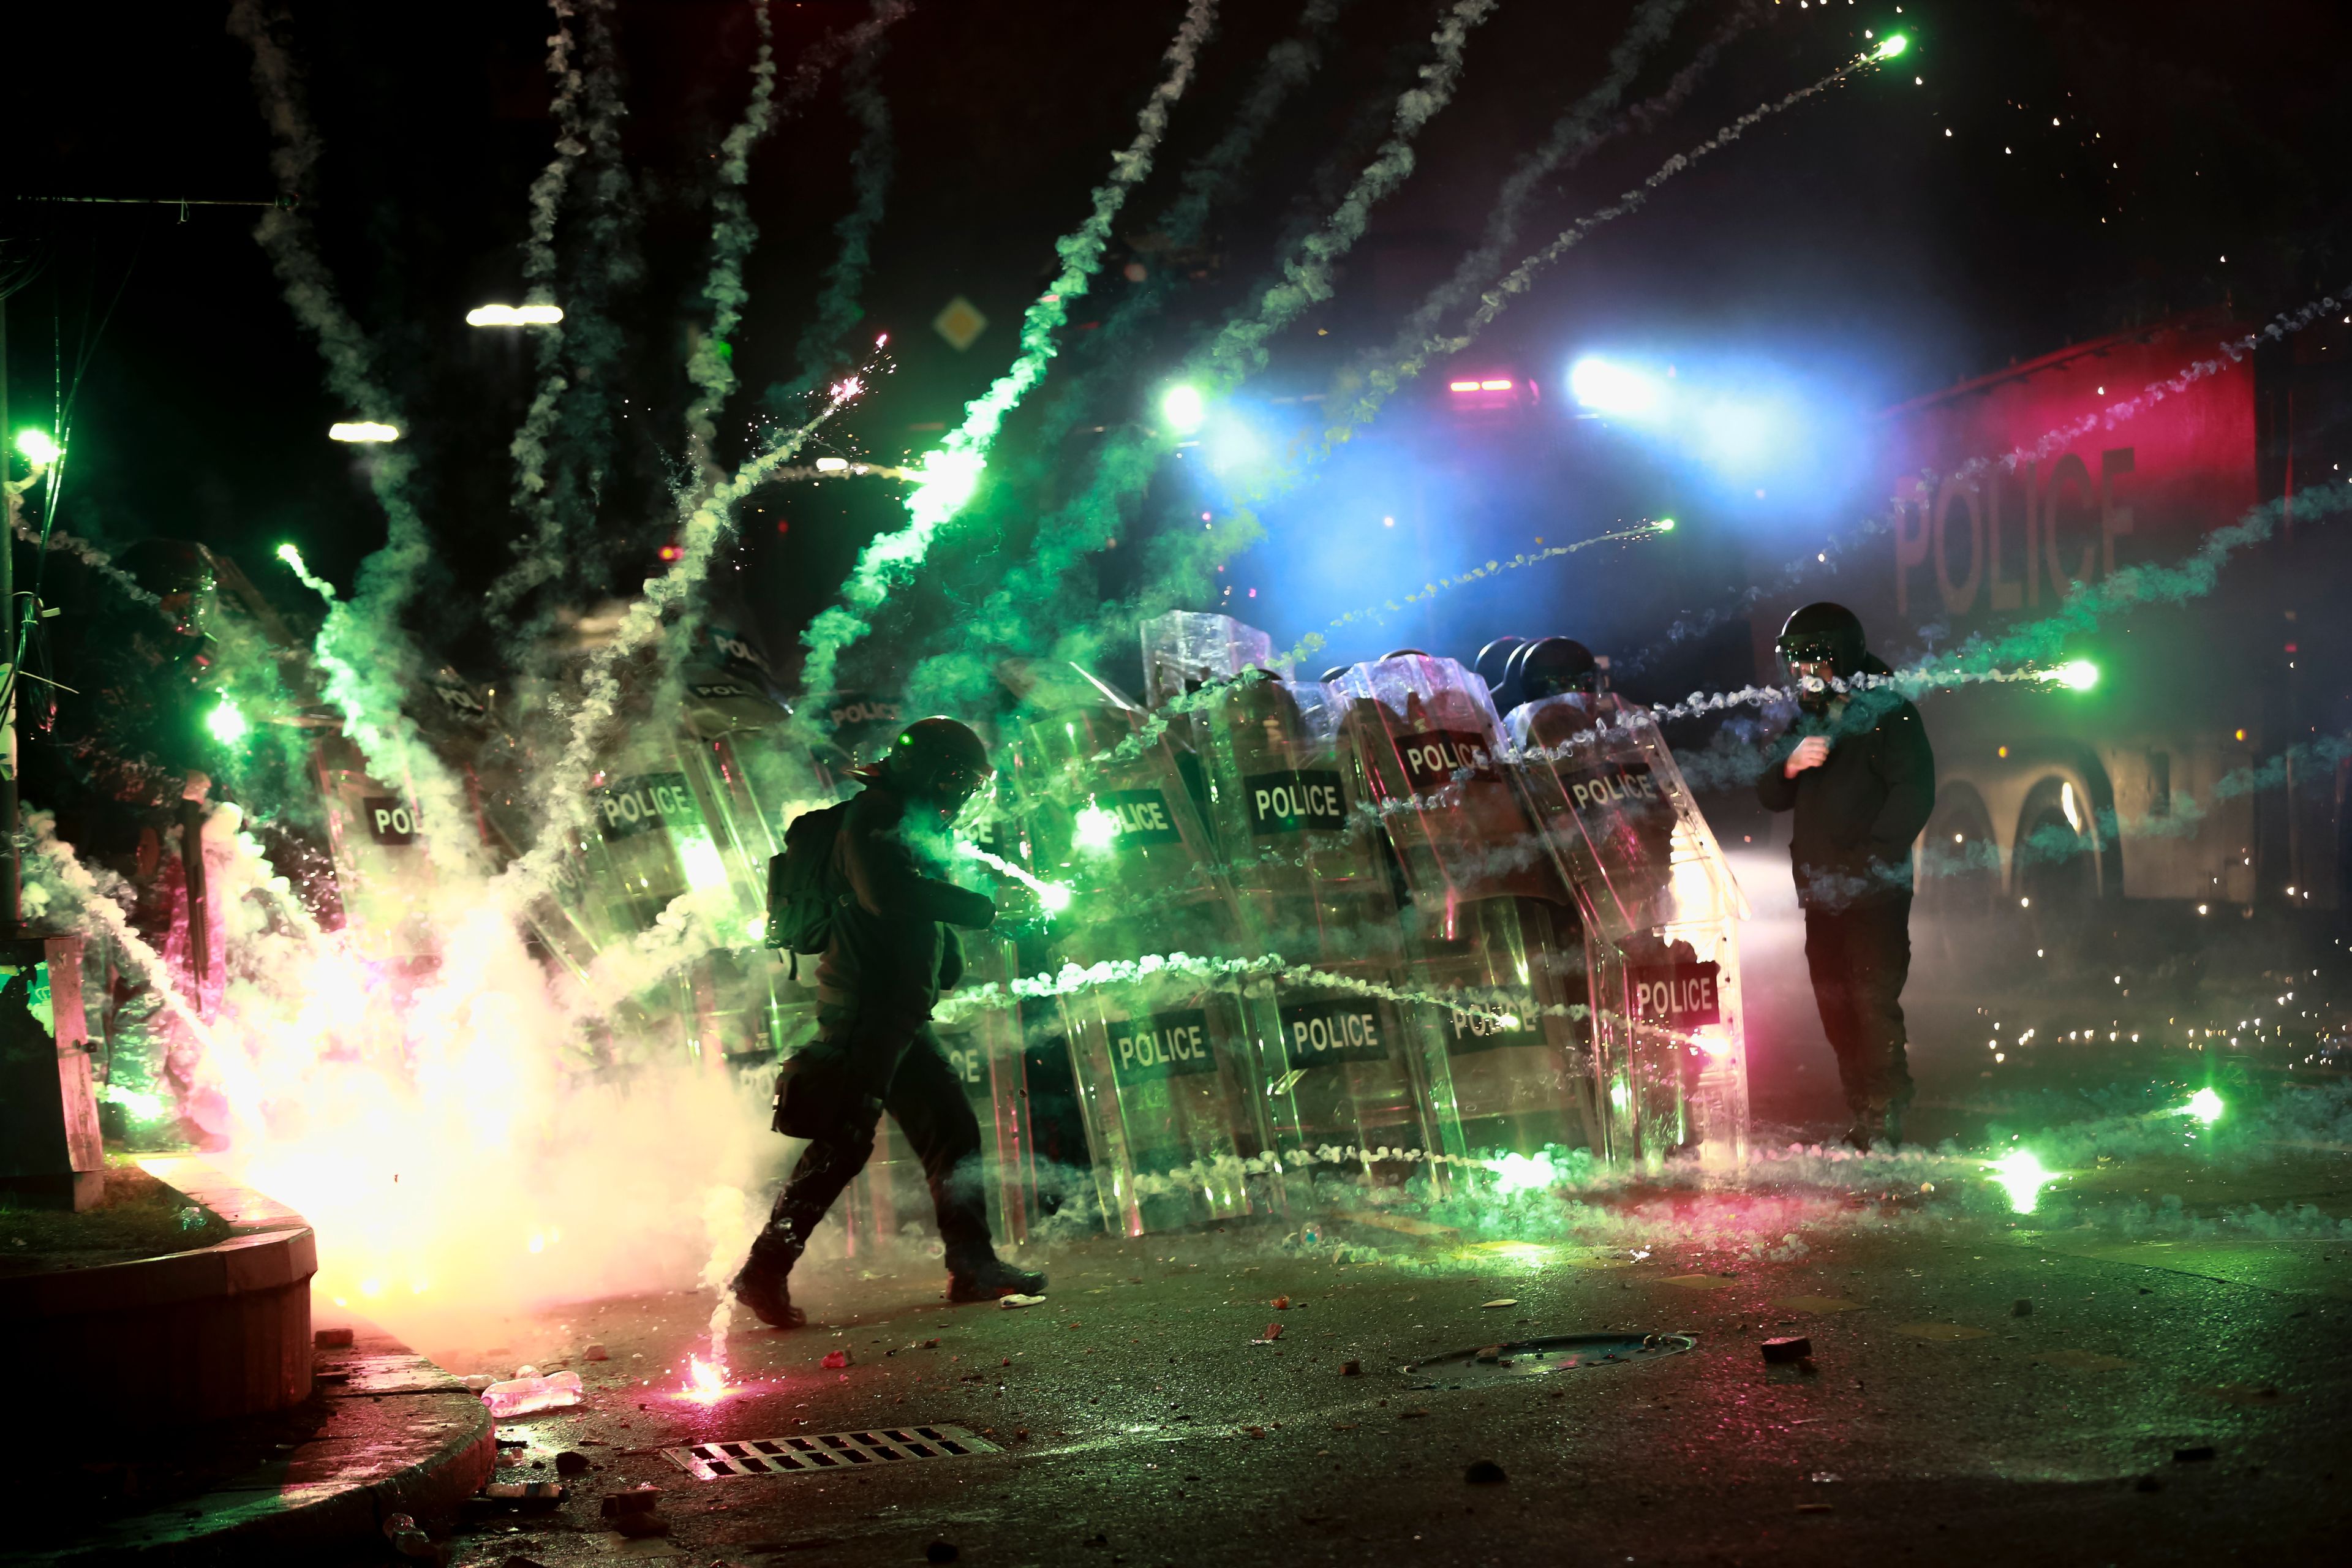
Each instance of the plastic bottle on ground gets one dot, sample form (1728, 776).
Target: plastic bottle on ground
(522, 1395)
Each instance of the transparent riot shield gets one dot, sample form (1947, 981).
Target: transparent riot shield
(1164, 1065)
(1345, 1091)
(382, 874)
(1662, 911)
(1486, 905)
(1184, 650)
(984, 1047)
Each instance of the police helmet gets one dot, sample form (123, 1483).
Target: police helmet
(941, 760)
(1829, 633)
(1550, 666)
(1494, 661)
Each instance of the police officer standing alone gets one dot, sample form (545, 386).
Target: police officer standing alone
(1857, 771)
(851, 884)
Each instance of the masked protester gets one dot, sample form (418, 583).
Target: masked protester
(851, 884)
(1857, 771)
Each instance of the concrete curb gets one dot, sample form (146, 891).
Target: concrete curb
(402, 1437)
(206, 1334)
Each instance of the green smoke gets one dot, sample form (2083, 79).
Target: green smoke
(1037, 598)
(954, 470)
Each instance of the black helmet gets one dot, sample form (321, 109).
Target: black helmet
(1494, 661)
(1550, 666)
(941, 760)
(1827, 634)
(1332, 674)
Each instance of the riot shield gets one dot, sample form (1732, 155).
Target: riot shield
(1166, 1074)
(1486, 903)
(1345, 1093)
(1663, 912)
(1184, 650)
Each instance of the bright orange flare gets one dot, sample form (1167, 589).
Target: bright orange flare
(706, 1382)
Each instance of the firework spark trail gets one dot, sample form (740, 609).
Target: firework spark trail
(589, 344)
(2050, 443)
(2024, 653)
(1122, 336)
(1190, 561)
(1239, 350)
(98, 902)
(1035, 596)
(1241, 975)
(869, 171)
(561, 802)
(88, 555)
(1375, 613)
(371, 660)
(1576, 134)
(710, 367)
(573, 106)
(953, 470)
(1494, 302)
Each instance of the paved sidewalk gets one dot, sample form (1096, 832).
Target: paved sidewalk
(387, 1433)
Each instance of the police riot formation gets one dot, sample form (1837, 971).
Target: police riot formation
(1286, 947)
(1317, 938)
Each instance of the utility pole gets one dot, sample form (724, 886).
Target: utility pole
(11, 908)
(51, 1152)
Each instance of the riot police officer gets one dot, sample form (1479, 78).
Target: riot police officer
(886, 957)
(1857, 771)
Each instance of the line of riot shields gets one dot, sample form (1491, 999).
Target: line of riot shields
(1326, 942)
(1498, 935)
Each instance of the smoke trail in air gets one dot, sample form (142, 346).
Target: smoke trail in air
(563, 803)
(953, 472)
(869, 170)
(1180, 225)
(2049, 444)
(1307, 277)
(88, 555)
(573, 405)
(1575, 135)
(1034, 594)
(370, 657)
(1494, 302)
(572, 103)
(710, 367)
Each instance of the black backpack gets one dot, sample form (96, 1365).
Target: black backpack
(800, 908)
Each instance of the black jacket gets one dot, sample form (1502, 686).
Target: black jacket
(889, 953)
(1858, 813)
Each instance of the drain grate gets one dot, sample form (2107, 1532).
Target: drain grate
(826, 1451)
(1521, 1359)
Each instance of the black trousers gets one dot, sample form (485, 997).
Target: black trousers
(922, 1094)
(1860, 957)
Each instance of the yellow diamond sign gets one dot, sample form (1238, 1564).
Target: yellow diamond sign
(960, 323)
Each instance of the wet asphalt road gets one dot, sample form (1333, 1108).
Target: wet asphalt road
(1140, 1424)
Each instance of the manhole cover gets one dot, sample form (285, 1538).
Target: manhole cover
(825, 1451)
(1542, 1358)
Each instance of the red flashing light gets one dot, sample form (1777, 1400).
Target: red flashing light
(1503, 385)
(1462, 386)
(671, 553)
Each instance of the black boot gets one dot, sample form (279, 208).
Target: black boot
(991, 1278)
(764, 1285)
(1863, 1133)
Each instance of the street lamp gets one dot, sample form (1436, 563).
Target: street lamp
(363, 432)
(514, 315)
(40, 448)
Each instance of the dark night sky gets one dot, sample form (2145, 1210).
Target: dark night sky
(1853, 232)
